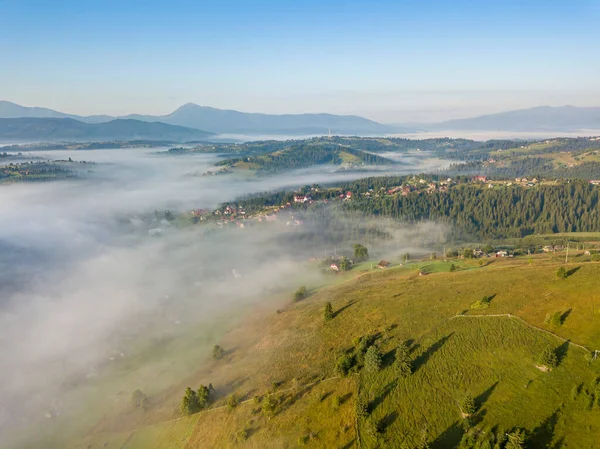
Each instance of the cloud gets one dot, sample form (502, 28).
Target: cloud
(82, 280)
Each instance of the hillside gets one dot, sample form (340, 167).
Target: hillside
(491, 353)
(542, 118)
(304, 155)
(66, 129)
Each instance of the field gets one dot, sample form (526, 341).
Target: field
(291, 355)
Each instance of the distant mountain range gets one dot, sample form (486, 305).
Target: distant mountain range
(226, 121)
(67, 129)
(542, 118)
(194, 122)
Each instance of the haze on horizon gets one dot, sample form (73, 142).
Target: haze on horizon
(392, 62)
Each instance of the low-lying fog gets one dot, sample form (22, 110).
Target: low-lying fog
(80, 276)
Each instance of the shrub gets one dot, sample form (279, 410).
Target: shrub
(336, 402)
(300, 294)
(373, 359)
(483, 303)
(218, 352)
(554, 319)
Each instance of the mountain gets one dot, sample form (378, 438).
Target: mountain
(227, 121)
(235, 122)
(542, 118)
(67, 129)
(13, 110)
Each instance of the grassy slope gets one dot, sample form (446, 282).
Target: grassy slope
(492, 358)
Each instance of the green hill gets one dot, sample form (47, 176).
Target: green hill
(304, 155)
(289, 359)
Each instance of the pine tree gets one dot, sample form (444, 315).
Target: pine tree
(467, 405)
(373, 359)
(548, 358)
(516, 440)
(403, 362)
(189, 403)
(328, 313)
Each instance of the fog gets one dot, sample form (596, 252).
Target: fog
(83, 283)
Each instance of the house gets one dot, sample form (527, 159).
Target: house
(480, 178)
(595, 182)
(548, 248)
(501, 253)
(301, 198)
(383, 264)
(155, 232)
(271, 217)
(335, 267)
(477, 253)
(348, 195)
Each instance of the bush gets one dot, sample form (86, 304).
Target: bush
(373, 359)
(561, 273)
(139, 399)
(300, 294)
(218, 352)
(548, 358)
(483, 303)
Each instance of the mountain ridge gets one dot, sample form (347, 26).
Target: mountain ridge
(52, 129)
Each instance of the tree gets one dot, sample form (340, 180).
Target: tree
(403, 362)
(548, 358)
(360, 252)
(555, 319)
(232, 401)
(203, 396)
(169, 215)
(373, 359)
(361, 407)
(561, 273)
(344, 264)
(452, 268)
(268, 405)
(467, 405)
(218, 352)
(344, 364)
(300, 294)
(139, 399)
(516, 440)
(328, 312)
(189, 403)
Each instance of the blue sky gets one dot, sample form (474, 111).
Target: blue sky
(388, 60)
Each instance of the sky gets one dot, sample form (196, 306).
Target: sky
(392, 61)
